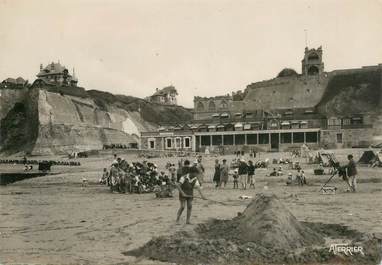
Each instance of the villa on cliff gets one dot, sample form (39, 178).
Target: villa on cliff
(337, 109)
(55, 74)
(165, 96)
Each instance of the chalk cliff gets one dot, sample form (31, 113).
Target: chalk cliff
(42, 120)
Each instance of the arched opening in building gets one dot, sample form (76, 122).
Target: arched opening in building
(200, 106)
(211, 106)
(313, 70)
(313, 56)
(223, 104)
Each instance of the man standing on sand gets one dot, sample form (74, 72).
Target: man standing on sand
(224, 173)
(186, 186)
(351, 174)
(243, 172)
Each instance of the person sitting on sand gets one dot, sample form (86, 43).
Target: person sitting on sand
(280, 171)
(273, 173)
(186, 186)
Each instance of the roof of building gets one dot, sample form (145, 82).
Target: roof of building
(10, 80)
(227, 97)
(52, 68)
(18, 81)
(164, 91)
(287, 72)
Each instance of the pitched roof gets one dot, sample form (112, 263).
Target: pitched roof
(10, 80)
(164, 91)
(52, 68)
(20, 80)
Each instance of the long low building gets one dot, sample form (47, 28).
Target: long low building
(237, 136)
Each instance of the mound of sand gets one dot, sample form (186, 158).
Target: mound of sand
(266, 232)
(267, 222)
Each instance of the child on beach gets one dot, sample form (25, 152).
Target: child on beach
(236, 179)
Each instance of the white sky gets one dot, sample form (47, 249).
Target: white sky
(202, 47)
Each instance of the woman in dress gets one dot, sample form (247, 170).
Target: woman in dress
(216, 178)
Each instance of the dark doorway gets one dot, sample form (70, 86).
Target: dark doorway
(275, 141)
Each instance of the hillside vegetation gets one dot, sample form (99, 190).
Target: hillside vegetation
(150, 112)
(349, 93)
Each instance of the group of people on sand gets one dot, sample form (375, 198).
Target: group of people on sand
(135, 177)
(243, 173)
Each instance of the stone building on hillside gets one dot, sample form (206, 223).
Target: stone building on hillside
(335, 109)
(212, 107)
(56, 74)
(165, 96)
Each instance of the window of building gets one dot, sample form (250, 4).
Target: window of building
(286, 138)
(200, 106)
(178, 142)
(298, 137)
(203, 128)
(295, 125)
(357, 120)
(223, 104)
(205, 140)
(334, 122)
(249, 115)
(225, 115)
(238, 126)
(211, 106)
(216, 140)
(274, 125)
(220, 128)
(151, 143)
(263, 138)
(168, 143)
(228, 139)
(251, 138)
(313, 56)
(339, 138)
(247, 126)
(229, 127)
(186, 142)
(304, 125)
(285, 125)
(239, 139)
(346, 121)
(311, 137)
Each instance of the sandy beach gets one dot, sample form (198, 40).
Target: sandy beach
(54, 220)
